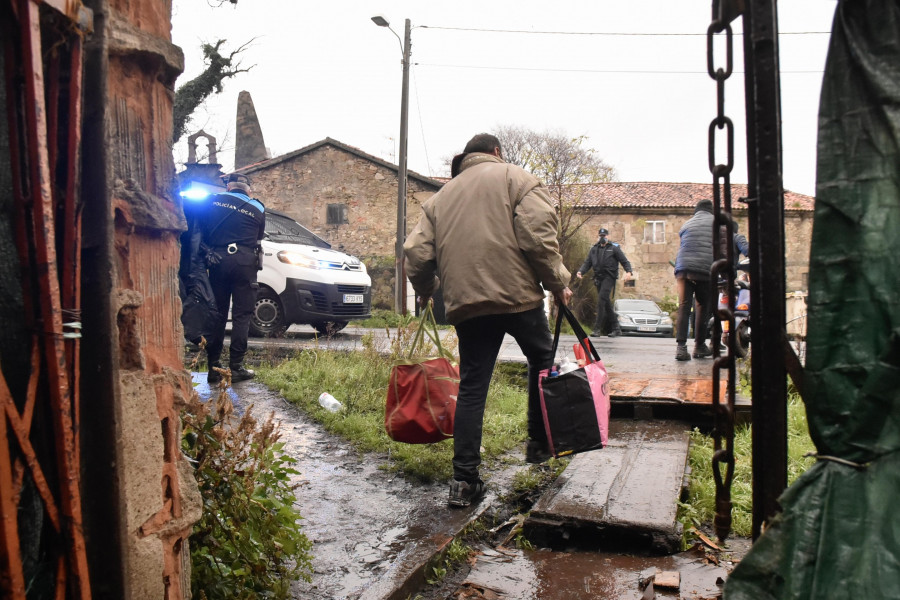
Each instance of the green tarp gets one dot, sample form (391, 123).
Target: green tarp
(839, 534)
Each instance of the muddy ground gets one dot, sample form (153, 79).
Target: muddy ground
(372, 530)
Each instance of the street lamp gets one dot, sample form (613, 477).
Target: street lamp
(399, 271)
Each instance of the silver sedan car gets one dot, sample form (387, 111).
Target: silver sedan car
(642, 317)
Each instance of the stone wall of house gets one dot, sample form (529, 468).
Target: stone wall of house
(141, 497)
(305, 186)
(655, 276)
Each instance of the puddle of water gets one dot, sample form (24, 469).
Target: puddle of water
(585, 575)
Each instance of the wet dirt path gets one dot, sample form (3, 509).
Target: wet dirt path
(368, 525)
(362, 520)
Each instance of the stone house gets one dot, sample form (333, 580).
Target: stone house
(341, 193)
(349, 198)
(645, 217)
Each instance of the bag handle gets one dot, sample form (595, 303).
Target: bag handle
(428, 325)
(583, 338)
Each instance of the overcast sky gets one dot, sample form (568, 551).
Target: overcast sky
(324, 69)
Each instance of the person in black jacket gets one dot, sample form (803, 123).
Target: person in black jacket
(232, 226)
(604, 258)
(692, 266)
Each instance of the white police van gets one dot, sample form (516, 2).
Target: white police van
(304, 281)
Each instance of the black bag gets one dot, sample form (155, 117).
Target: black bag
(198, 317)
(575, 405)
(199, 314)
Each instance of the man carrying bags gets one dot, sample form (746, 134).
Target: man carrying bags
(488, 238)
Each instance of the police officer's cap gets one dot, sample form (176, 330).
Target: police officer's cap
(237, 178)
(603, 231)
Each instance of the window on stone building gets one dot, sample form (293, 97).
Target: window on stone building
(655, 232)
(337, 214)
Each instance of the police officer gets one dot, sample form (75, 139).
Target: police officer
(232, 227)
(604, 258)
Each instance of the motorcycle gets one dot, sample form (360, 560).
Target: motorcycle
(741, 316)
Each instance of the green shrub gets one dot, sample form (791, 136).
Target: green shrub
(248, 543)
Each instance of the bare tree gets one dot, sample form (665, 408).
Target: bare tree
(192, 94)
(564, 164)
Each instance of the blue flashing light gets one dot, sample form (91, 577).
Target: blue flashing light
(195, 193)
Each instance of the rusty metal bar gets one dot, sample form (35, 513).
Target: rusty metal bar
(51, 102)
(51, 315)
(30, 456)
(767, 269)
(71, 267)
(12, 577)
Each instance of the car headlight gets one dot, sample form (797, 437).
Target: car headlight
(299, 260)
(625, 319)
(665, 321)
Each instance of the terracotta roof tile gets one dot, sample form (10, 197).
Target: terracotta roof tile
(621, 194)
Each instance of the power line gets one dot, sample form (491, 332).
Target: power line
(611, 71)
(601, 33)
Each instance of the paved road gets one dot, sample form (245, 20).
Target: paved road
(626, 354)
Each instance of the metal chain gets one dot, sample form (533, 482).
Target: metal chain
(723, 266)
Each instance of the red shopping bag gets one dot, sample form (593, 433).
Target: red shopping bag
(575, 405)
(421, 397)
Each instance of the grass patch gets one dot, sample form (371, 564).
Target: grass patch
(359, 380)
(700, 507)
(382, 318)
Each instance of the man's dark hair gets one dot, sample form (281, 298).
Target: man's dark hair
(704, 205)
(483, 142)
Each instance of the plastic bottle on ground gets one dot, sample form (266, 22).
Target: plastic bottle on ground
(329, 402)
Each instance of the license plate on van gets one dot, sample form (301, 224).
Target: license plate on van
(353, 298)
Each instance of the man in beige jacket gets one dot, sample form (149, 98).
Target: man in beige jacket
(489, 239)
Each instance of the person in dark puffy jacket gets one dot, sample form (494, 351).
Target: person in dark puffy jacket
(695, 257)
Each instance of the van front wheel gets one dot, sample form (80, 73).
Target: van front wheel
(268, 315)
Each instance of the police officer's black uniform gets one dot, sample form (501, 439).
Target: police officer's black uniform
(604, 258)
(232, 227)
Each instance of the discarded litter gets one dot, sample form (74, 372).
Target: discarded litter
(329, 402)
(668, 579)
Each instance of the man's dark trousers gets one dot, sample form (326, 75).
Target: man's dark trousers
(689, 288)
(480, 339)
(233, 279)
(605, 313)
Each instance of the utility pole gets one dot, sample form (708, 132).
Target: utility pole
(400, 270)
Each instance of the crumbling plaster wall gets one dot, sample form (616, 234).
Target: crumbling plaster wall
(157, 498)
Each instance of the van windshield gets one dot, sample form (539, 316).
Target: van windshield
(280, 228)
